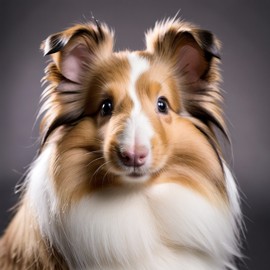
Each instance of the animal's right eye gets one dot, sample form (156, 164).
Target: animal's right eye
(162, 105)
(106, 107)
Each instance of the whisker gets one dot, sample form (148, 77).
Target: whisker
(105, 175)
(96, 159)
(99, 168)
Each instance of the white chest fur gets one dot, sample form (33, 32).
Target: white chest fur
(164, 227)
(113, 228)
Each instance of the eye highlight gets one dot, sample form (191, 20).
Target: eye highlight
(162, 105)
(106, 107)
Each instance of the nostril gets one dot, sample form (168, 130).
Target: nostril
(139, 161)
(127, 157)
(141, 157)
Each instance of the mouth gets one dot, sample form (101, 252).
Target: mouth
(136, 174)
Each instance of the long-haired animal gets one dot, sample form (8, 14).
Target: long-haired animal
(130, 174)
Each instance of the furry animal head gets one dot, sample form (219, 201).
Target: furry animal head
(131, 114)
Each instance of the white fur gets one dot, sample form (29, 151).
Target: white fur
(166, 226)
(189, 220)
(235, 210)
(232, 191)
(138, 128)
(113, 228)
(138, 66)
(41, 191)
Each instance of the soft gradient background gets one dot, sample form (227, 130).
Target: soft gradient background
(243, 28)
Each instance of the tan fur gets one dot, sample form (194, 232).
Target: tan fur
(22, 246)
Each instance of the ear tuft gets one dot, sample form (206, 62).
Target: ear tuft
(208, 43)
(53, 44)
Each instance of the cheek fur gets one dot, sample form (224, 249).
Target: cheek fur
(160, 142)
(77, 165)
(193, 162)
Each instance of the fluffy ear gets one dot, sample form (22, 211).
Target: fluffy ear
(74, 54)
(190, 49)
(75, 50)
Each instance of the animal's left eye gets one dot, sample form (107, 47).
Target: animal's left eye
(106, 107)
(162, 105)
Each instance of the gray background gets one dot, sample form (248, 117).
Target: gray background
(243, 27)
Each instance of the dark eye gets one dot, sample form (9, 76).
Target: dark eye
(162, 105)
(106, 107)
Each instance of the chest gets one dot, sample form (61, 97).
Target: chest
(163, 227)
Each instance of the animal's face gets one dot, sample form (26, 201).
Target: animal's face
(127, 117)
(133, 114)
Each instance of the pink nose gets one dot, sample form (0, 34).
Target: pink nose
(134, 158)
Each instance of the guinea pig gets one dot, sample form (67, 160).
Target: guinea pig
(130, 173)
